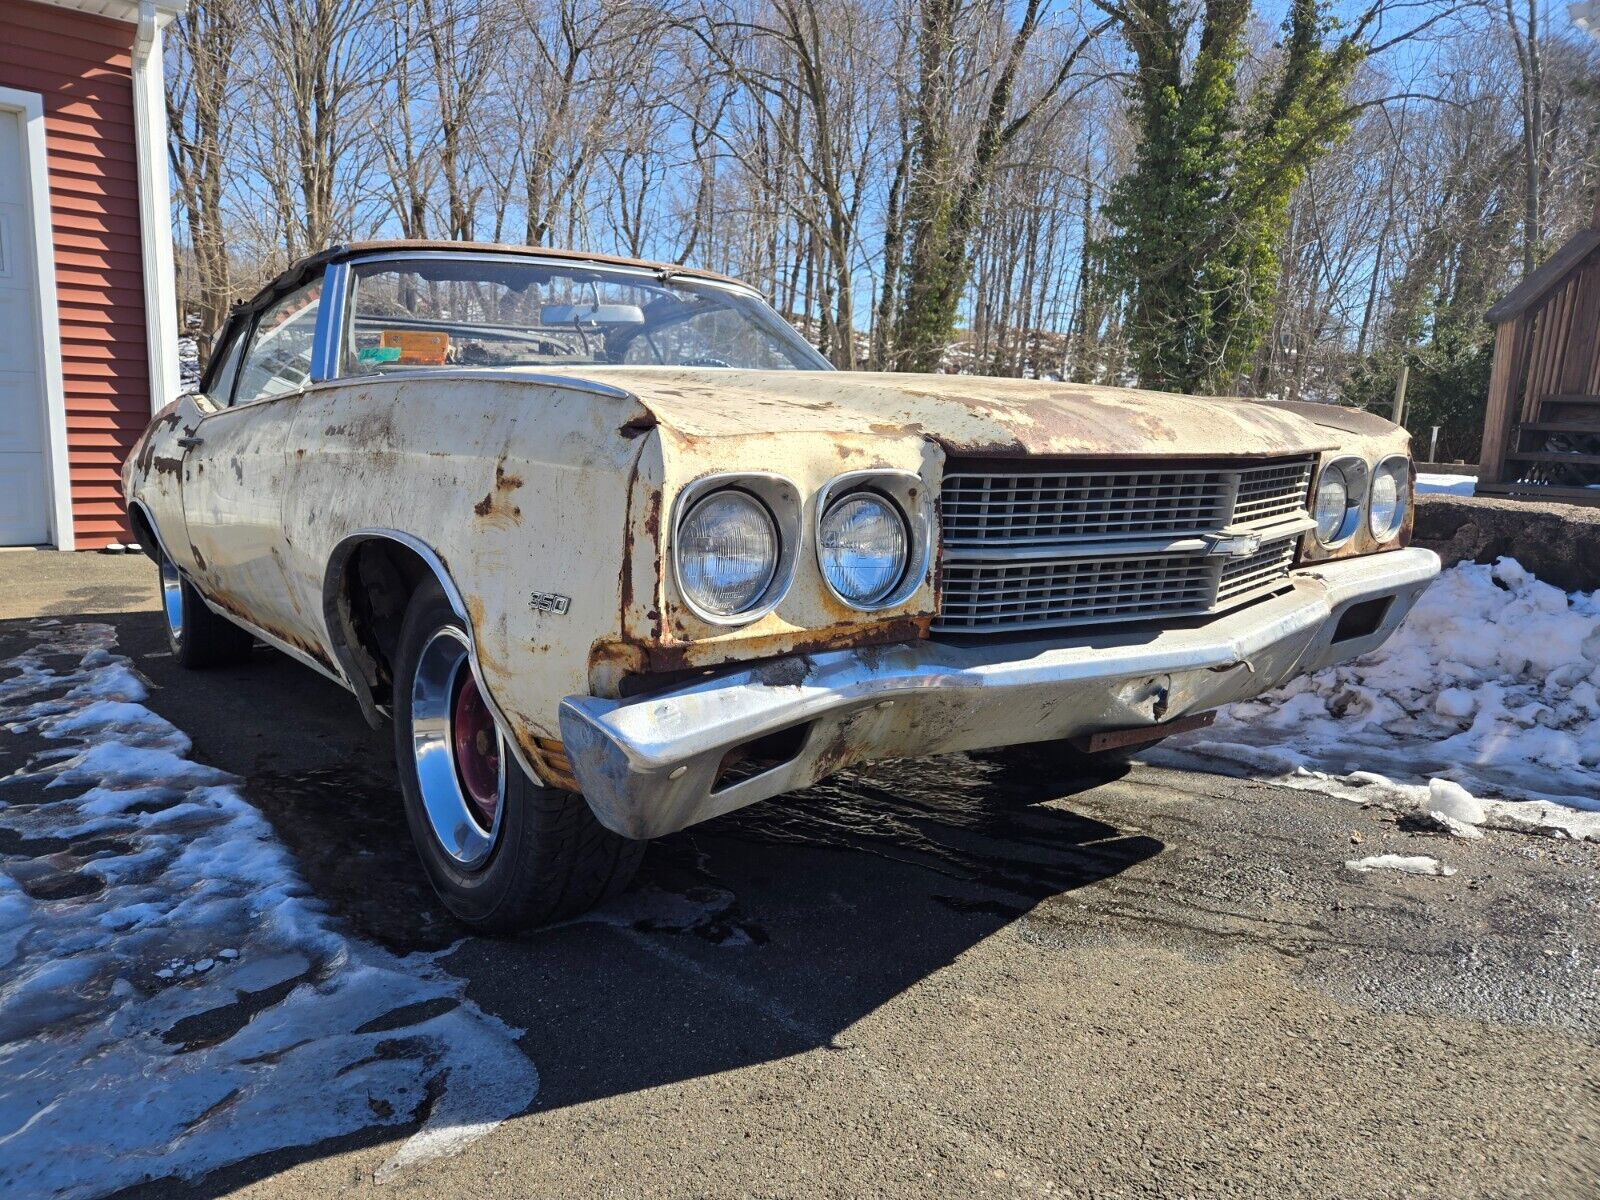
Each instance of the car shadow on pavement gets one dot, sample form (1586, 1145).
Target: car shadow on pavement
(765, 933)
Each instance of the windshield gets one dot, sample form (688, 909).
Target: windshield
(486, 311)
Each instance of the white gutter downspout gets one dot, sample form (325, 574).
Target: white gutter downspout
(155, 205)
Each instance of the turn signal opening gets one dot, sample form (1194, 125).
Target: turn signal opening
(1362, 620)
(758, 755)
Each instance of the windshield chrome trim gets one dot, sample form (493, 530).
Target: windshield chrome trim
(569, 263)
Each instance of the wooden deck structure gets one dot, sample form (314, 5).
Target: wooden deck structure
(1541, 430)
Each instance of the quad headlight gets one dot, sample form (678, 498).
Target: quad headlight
(863, 547)
(1341, 492)
(1391, 494)
(1333, 498)
(728, 549)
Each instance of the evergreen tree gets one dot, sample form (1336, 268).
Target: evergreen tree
(1201, 215)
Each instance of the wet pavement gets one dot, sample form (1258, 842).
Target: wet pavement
(958, 976)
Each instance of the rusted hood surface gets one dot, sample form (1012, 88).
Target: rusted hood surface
(966, 414)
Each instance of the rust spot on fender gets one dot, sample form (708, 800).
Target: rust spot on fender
(167, 466)
(475, 612)
(484, 506)
(635, 426)
(670, 657)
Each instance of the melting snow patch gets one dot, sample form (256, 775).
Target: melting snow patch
(1484, 707)
(172, 997)
(1406, 864)
(1450, 485)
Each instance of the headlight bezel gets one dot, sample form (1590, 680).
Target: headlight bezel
(1356, 475)
(781, 500)
(908, 494)
(1401, 466)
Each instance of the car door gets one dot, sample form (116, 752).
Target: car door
(235, 475)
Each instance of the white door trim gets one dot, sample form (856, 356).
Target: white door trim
(31, 107)
(155, 204)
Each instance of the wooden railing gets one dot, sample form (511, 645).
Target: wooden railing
(1542, 423)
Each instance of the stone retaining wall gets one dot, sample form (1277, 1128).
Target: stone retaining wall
(1560, 543)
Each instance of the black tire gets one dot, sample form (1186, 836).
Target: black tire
(197, 637)
(550, 859)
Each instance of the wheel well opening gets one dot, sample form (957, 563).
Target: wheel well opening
(143, 532)
(370, 597)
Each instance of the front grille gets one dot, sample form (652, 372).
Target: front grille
(983, 508)
(1278, 490)
(1241, 576)
(1033, 549)
(1033, 594)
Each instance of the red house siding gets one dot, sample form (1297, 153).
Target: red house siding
(82, 68)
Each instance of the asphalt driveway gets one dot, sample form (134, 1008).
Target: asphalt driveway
(948, 976)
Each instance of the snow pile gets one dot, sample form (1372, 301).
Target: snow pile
(1406, 864)
(1450, 485)
(171, 997)
(1490, 691)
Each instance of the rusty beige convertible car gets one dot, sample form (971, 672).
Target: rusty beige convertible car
(615, 551)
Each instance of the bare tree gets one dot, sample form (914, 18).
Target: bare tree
(199, 84)
(325, 64)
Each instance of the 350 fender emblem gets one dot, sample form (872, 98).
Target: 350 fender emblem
(550, 602)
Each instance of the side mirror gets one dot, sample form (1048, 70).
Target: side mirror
(592, 316)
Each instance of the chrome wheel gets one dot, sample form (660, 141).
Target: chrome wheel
(460, 756)
(172, 600)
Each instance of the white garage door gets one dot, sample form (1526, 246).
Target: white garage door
(24, 483)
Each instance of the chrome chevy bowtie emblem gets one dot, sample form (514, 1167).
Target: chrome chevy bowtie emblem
(1235, 545)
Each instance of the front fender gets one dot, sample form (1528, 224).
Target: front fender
(152, 480)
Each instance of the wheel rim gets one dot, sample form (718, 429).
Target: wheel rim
(459, 754)
(172, 599)
(477, 749)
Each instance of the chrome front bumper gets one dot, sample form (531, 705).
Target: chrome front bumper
(654, 764)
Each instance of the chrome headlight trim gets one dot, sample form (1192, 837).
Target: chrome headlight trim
(1357, 484)
(781, 498)
(1401, 464)
(907, 491)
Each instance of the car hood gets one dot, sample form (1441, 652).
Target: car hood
(969, 415)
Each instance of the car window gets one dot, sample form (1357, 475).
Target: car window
(719, 338)
(227, 368)
(279, 358)
(502, 311)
